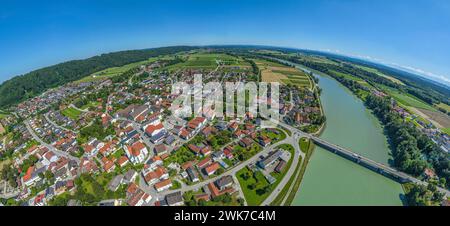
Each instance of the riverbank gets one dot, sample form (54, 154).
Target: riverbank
(331, 180)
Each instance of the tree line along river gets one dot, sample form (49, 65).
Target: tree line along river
(332, 180)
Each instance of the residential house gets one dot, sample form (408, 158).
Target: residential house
(212, 168)
(163, 185)
(137, 152)
(174, 199)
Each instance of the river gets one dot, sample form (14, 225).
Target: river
(333, 180)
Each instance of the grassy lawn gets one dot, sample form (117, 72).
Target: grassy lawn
(446, 130)
(273, 136)
(71, 113)
(253, 186)
(90, 104)
(182, 155)
(304, 144)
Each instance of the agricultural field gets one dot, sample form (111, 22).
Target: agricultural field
(406, 99)
(351, 77)
(71, 113)
(273, 72)
(114, 71)
(438, 118)
(208, 61)
(380, 74)
(443, 106)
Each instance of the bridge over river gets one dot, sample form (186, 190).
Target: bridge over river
(372, 165)
(363, 161)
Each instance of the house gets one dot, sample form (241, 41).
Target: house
(49, 192)
(228, 153)
(264, 141)
(39, 200)
(137, 111)
(152, 130)
(193, 175)
(218, 155)
(74, 202)
(90, 150)
(174, 199)
(30, 177)
(170, 140)
(153, 163)
(123, 160)
(216, 192)
(107, 149)
(185, 134)
(197, 123)
(279, 168)
(60, 187)
(160, 149)
(115, 183)
(160, 173)
(205, 151)
(139, 198)
(429, 173)
(233, 126)
(88, 166)
(207, 131)
(163, 185)
(270, 159)
(137, 152)
(212, 168)
(108, 165)
(129, 176)
(48, 158)
(204, 196)
(224, 182)
(204, 163)
(238, 134)
(245, 142)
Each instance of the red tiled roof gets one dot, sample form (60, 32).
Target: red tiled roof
(163, 183)
(212, 168)
(152, 128)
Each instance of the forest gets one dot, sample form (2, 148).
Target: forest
(29, 85)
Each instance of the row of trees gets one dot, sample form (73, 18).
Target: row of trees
(413, 150)
(420, 195)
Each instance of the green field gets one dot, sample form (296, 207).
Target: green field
(407, 99)
(71, 113)
(446, 130)
(254, 196)
(444, 106)
(90, 104)
(3, 114)
(208, 61)
(297, 78)
(114, 71)
(381, 74)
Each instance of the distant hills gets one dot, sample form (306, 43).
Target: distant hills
(20, 88)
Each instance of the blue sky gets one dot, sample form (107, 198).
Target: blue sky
(408, 33)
